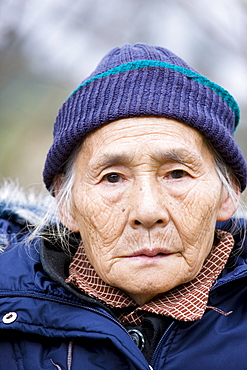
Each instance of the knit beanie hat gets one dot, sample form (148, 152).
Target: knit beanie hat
(144, 80)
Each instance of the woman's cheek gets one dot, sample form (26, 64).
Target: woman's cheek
(100, 221)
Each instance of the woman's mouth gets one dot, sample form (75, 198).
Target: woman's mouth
(151, 253)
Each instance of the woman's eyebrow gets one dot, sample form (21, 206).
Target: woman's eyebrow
(107, 160)
(180, 155)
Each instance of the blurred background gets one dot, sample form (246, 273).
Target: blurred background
(47, 47)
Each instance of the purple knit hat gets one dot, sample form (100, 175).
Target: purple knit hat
(144, 80)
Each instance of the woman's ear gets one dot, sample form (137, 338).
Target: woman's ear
(229, 204)
(64, 209)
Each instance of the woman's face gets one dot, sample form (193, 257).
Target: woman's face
(146, 199)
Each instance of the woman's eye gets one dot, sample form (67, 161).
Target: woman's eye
(177, 174)
(112, 177)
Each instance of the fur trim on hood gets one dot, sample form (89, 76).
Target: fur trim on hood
(20, 206)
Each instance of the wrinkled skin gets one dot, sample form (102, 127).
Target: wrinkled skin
(146, 199)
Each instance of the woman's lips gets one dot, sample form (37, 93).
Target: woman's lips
(151, 253)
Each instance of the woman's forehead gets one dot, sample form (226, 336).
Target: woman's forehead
(122, 140)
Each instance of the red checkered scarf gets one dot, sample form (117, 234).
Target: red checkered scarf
(186, 302)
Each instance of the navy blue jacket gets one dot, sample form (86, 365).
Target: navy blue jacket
(44, 325)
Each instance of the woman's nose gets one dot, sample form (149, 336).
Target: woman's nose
(147, 208)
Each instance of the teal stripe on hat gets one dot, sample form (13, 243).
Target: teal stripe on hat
(224, 94)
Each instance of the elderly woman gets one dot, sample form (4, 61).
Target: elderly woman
(134, 274)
